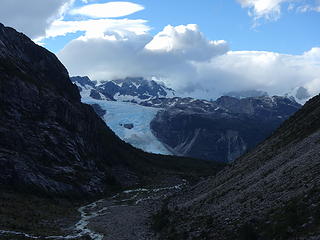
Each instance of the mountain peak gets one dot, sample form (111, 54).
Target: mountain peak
(129, 89)
(18, 54)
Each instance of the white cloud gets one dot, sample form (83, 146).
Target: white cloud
(186, 41)
(273, 72)
(184, 59)
(309, 8)
(32, 17)
(271, 9)
(108, 10)
(107, 58)
(98, 28)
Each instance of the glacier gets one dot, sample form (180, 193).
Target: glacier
(121, 113)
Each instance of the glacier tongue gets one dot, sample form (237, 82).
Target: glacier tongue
(121, 114)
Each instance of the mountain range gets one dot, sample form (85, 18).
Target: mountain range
(220, 130)
(129, 89)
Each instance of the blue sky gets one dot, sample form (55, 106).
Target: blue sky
(200, 48)
(220, 19)
(293, 33)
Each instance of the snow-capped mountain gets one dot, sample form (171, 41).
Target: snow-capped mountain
(299, 94)
(127, 90)
(147, 115)
(135, 89)
(83, 82)
(88, 88)
(246, 94)
(114, 101)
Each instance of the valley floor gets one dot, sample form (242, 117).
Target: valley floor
(124, 216)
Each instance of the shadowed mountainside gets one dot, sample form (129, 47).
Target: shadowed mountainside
(270, 193)
(220, 130)
(52, 142)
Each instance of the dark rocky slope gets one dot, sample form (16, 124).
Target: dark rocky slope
(52, 142)
(220, 130)
(273, 192)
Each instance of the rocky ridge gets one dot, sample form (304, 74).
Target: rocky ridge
(129, 89)
(220, 130)
(270, 193)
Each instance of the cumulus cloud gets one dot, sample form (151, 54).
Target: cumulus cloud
(108, 10)
(130, 55)
(32, 17)
(271, 9)
(187, 42)
(184, 59)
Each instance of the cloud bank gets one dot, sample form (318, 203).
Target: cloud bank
(32, 17)
(134, 55)
(186, 60)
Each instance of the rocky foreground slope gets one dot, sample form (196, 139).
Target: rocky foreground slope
(50, 141)
(273, 192)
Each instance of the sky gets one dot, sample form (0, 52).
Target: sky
(200, 49)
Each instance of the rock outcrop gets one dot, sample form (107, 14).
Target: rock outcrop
(49, 140)
(220, 130)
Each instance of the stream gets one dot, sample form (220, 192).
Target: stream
(96, 215)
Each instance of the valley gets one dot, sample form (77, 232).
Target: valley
(130, 159)
(126, 215)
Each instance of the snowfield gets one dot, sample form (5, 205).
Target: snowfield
(120, 113)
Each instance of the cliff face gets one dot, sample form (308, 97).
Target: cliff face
(48, 139)
(221, 130)
(270, 193)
